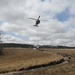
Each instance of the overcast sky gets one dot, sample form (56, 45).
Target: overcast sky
(59, 29)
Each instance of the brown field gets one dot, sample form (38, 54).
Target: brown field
(15, 59)
(63, 69)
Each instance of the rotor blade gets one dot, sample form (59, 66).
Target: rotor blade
(32, 18)
(44, 20)
(38, 17)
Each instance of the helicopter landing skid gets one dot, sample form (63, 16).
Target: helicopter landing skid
(35, 25)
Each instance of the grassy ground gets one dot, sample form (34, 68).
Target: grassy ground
(63, 69)
(14, 59)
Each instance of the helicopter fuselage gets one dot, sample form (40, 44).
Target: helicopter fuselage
(37, 21)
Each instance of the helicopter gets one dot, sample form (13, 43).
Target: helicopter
(37, 21)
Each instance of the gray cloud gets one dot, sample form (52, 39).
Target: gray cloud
(15, 15)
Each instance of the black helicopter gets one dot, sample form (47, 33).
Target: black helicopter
(37, 21)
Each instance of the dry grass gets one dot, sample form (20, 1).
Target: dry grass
(64, 69)
(17, 58)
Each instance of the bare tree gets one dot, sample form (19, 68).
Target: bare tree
(1, 42)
